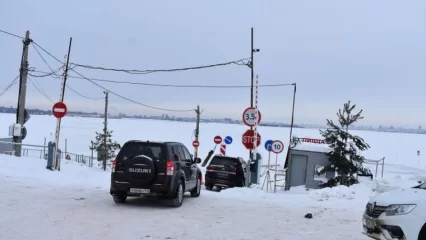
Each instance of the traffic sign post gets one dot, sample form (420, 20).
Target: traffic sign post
(268, 147)
(217, 139)
(195, 143)
(249, 140)
(277, 147)
(251, 117)
(59, 110)
(228, 140)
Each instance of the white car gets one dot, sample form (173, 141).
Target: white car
(397, 214)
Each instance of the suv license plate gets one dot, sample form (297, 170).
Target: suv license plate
(139, 190)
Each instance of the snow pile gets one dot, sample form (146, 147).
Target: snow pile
(335, 192)
(366, 188)
(394, 183)
(34, 172)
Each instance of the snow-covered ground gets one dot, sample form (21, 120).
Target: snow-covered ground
(75, 202)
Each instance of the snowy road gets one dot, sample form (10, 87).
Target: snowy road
(75, 204)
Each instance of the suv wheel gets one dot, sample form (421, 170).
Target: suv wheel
(197, 190)
(119, 198)
(209, 187)
(177, 201)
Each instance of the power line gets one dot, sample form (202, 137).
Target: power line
(44, 60)
(237, 62)
(130, 100)
(51, 74)
(81, 95)
(48, 53)
(14, 81)
(11, 34)
(116, 94)
(166, 85)
(41, 91)
(54, 73)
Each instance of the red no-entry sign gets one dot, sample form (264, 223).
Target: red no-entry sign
(195, 143)
(217, 139)
(59, 109)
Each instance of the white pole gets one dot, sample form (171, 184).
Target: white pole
(255, 127)
(56, 158)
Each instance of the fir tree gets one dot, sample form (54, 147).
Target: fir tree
(99, 146)
(345, 158)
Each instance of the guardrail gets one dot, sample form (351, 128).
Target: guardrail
(376, 162)
(40, 151)
(28, 149)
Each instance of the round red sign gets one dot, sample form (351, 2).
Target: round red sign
(59, 110)
(217, 139)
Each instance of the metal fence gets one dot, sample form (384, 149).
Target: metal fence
(40, 151)
(80, 158)
(377, 163)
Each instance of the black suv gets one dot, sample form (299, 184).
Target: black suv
(163, 169)
(225, 172)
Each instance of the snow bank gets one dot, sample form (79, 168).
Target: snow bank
(366, 189)
(34, 170)
(312, 147)
(335, 192)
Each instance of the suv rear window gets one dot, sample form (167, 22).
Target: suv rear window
(225, 161)
(130, 150)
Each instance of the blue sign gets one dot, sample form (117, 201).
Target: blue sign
(268, 145)
(228, 140)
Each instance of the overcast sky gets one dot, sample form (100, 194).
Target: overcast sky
(370, 52)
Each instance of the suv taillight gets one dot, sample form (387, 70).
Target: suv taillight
(170, 168)
(113, 165)
(210, 168)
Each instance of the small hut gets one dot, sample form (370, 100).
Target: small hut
(305, 159)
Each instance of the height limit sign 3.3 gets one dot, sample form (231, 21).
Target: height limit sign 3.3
(251, 116)
(59, 110)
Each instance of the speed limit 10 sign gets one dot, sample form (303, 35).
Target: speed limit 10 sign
(277, 146)
(251, 117)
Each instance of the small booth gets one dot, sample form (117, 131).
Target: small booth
(305, 158)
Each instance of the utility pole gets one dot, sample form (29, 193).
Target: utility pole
(105, 131)
(251, 66)
(197, 129)
(56, 156)
(20, 113)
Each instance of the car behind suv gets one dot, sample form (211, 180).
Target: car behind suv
(163, 169)
(225, 172)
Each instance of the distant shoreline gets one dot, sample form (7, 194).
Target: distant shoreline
(166, 117)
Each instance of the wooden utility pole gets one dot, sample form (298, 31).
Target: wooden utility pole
(56, 157)
(20, 113)
(197, 129)
(105, 131)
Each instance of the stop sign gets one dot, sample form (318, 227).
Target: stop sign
(249, 141)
